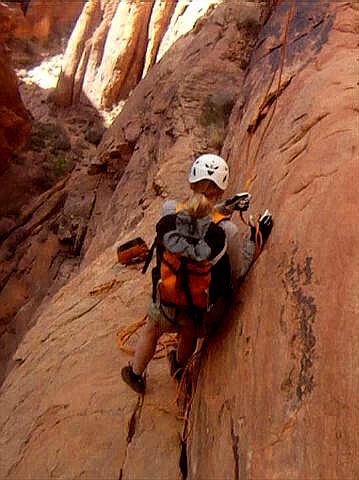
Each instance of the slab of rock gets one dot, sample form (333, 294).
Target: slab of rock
(69, 368)
(277, 390)
(279, 386)
(78, 390)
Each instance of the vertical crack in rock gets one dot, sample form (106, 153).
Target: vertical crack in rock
(84, 222)
(131, 429)
(132, 424)
(235, 448)
(183, 461)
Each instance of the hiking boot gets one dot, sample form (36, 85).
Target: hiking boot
(176, 370)
(136, 382)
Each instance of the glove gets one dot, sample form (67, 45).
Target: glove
(265, 226)
(239, 202)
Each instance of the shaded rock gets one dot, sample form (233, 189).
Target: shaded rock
(6, 225)
(15, 124)
(96, 167)
(83, 30)
(94, 133)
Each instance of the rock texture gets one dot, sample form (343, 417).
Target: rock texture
(277, 389)
(114, 44)
(176, 114)
(15, 123)
(41, 19)
(154, 423)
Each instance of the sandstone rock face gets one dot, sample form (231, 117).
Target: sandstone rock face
(184, 18)
(42, 18)
(114, 44)
(15, 123)
(277, 389)
(181, 124)
(176, 114)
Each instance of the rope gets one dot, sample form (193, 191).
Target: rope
(124, 334)
(186, 389)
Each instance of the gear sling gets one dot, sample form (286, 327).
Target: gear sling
(192, 269)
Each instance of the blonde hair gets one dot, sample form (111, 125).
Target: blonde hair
(198, 206)
(207, 188)
(200, 203)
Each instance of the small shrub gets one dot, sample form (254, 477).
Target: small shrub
(60, 165)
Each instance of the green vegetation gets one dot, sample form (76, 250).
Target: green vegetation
(60, 165)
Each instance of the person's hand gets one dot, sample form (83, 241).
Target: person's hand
(265, 225)
(239, 202)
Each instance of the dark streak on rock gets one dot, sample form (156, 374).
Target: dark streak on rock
(235, 448)
(309, 29)
(183, 462)
(306, 314)
(296, 277)
(308, 270)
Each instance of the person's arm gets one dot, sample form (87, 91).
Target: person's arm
(241, 251)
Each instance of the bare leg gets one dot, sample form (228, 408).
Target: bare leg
(146, 347)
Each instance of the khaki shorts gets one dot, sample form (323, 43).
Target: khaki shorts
(174, 319)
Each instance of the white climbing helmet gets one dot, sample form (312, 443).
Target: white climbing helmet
(210, 167)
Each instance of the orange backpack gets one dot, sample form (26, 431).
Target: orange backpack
(184, 282)
(180, 279)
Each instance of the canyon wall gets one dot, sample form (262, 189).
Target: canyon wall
(15, 125)
(41, 19)
(114, 44)
(274, 90)
(279, 386)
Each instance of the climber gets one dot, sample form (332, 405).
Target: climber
(212, 256)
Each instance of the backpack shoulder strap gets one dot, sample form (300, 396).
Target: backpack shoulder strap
(149, 256)
(218, 217)
(162, 226)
